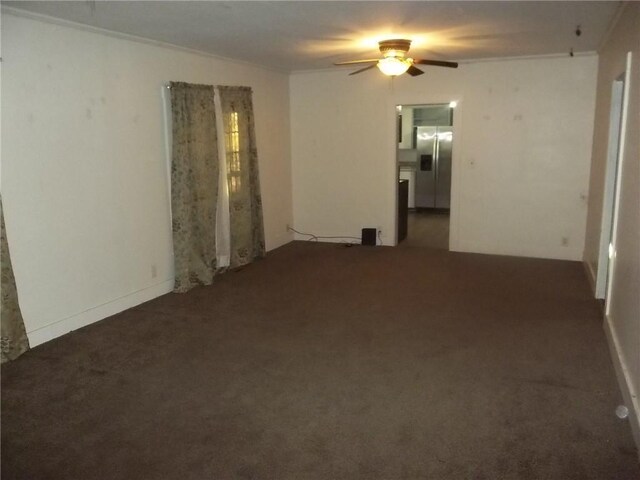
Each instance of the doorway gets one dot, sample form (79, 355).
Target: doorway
(425, 137)
(607, 253)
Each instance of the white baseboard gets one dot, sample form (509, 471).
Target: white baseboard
(82, 319)
(629, 396)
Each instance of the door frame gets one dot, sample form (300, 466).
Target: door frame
(413, 99)
(613, 172)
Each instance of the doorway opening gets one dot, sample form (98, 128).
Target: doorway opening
(423, 158)
(607, 253)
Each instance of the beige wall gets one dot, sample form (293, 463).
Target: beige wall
(520, 160)
(624, 302)
(84, 176)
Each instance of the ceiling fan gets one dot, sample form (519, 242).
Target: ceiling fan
(394, 60)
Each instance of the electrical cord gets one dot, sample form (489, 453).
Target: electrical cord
(311, 235)
(314, 238)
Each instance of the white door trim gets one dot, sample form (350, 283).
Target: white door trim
(613, 170)
(616, 206)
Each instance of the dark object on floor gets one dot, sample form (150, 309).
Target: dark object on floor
(403, 209)
(369, 236)
(332, 363)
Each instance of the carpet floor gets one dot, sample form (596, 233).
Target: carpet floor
(327, 362)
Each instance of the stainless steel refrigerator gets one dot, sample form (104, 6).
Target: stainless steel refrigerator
(433, 172)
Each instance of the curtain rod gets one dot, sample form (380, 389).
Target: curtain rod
(168, 85)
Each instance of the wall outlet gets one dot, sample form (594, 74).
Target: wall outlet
(288, 227)
(565, 241)
(154, 271)
(379, 235)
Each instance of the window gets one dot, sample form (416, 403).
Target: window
(233, 153)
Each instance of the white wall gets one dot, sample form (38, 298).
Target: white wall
(84, 176)
(623, 322)
(521, 152)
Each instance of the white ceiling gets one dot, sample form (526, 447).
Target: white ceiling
(305, 35)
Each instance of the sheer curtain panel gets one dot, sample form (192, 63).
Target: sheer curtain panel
(194, 184)
(245, 203)
(223, 228)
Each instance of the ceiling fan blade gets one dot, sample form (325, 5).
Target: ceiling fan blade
(437, 63)
(433, 54)
(414, 72)
(353, 62)
(363, 69)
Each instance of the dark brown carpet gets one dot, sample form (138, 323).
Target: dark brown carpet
(326, 362)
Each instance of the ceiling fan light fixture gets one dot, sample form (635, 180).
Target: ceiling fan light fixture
(393, 66)
(393, 53)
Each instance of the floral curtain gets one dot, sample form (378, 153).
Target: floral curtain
(194, 184)
(14, 337)
(245, 203)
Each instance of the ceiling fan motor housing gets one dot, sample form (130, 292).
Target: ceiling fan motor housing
(394, 48)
